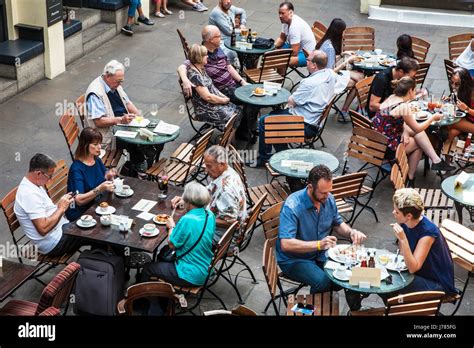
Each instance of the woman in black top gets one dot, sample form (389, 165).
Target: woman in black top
(404, 45)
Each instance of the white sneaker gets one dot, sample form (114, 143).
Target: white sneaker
(159, 14)
(203, 6)
(167, 12)
(198, 8)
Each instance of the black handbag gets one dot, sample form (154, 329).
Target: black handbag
(167, 254)
(264, 44)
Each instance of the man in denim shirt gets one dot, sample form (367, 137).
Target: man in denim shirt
(306, 220)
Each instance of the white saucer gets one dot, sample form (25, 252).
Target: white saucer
(80, 224)
(110, 210)
(391, 266)
(125, 195)
(146, 234)
(158, 222)
(344, 278)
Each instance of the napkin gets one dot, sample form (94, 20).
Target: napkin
(164, 128)
(125, 134)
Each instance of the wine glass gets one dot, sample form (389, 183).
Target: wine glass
(254, 35)
(154, 110)
(243, 33)
(163, 186)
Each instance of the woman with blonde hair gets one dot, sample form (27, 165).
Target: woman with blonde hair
(210, 104)
(422, 245)
(396, 121)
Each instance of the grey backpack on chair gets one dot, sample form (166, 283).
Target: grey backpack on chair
(100, 283)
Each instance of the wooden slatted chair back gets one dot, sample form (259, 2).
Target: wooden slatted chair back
(359, 120)
(223, 245)
(319, 30)
(418, 303)
(358, 39)
(229, 131)
(269, 267)
(367, 145)
(249, 225)
(159, 290)
(363, 88)
(420, 48)
(81, 110)
(460, 241)
(57, 186)
(276, 59)
(200, 148)
(349, 185)
(188, 102)
(70, 130)
(284, 129)
(8, 203)
(458, 43)
(449, 66)
(270, 222)
(399, 173)
(421, 73)
(238, 165)
(184, 44)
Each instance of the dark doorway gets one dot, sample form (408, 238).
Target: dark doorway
(3, 21)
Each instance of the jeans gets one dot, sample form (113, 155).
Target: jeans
(134, 4)
(65, 245)
(309, 272)
(264, 150)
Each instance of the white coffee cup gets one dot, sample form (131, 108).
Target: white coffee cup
(149, 228)
(378, 51)
(118, 183)
(87, 220)
(125, 189)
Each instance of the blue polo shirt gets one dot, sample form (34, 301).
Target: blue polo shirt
(301, 220)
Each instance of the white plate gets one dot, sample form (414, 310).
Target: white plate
(125, 195)
(422, 115)
(391, 266)
(344, 277)
(158, 221)
(80, 224)
(147, 234)
(334, 255)
(110, 210)
(259, 95)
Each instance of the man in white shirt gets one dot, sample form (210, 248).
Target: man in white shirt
(295, 34)
(39, 217)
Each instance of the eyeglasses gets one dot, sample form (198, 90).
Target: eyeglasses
(46, 175)
(309, 60)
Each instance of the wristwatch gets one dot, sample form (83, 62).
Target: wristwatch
(96, 191)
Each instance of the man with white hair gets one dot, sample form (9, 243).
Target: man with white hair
(108, 105)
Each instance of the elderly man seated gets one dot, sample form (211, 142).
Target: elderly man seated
(224, 77)
(41, 219)
(228, 199)
(309, 100)
(306, 220)
(295, 34)
(223, 17)
(108, 105)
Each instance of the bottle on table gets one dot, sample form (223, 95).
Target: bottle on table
(467, 145)
(233, 37)
(371, 263)
(249, 37)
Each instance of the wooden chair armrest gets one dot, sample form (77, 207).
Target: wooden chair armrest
(121, 307)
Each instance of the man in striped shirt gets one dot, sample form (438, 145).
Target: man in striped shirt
(225, 78)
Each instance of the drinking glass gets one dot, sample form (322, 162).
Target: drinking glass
(243, 33)
(163, 186)
(254, 35)
(154, 110)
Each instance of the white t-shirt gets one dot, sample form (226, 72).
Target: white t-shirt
(299, 32)
(31, 203)
(466, 59)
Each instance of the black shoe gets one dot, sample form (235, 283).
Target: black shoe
(442, 166)
(145, 21)
(410, 183)
(127, 30)
(242, 136)
(255, 164)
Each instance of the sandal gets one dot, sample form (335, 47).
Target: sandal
(167, 12)
(159, 14)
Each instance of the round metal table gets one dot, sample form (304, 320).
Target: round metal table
(244, 54)
(373, 67)
(307, 155)
(157, 139)
(245, 95)
(463, 196)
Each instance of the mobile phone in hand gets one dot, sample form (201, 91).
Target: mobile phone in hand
(74, 194)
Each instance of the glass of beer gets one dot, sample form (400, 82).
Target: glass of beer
(244, 32)
(254, 35)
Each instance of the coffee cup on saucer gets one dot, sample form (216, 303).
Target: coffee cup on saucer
(125, 189)
(104, 206)
(149, 228)
(378, 51)
(87, 220)
(105, 220)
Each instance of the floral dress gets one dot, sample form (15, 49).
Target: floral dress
(391, 127)
(215, 114)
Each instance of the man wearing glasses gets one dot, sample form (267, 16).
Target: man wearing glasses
(41, 219)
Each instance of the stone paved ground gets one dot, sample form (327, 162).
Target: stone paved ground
(30, 123)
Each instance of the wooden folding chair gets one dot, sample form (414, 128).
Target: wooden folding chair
(184, 165)
(458, 43)
(229, 131)
(359, 120)
(460, 240)
(57, 186)
(284, 129)
(70, 130)
(423, 303)
(184, 44)
(363, 88)
(80, 107)
(151, 290)
(420, 48)
(449, 66)
(421, 74)
(358, 39)
(272, 62)
(276, 191)
(325, 304)
(319, 30)
(321, 124)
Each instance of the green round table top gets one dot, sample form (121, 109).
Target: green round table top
(374, 66)
(138, 140)
(247, 51)
(307, 155)
(464, 194)
(245, 95)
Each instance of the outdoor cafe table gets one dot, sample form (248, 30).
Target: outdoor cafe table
(462, 197)
(371, 68)
(307, 155)
(138, 140)
(245, 95)
(110, 235)
(12, 276)
(243, 54)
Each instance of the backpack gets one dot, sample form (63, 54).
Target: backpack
(100, 283)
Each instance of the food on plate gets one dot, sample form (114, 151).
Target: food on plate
(387, 61)
(259, 91)
(414, 108)
(104, 205)
(162, 218)
(350, 251)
